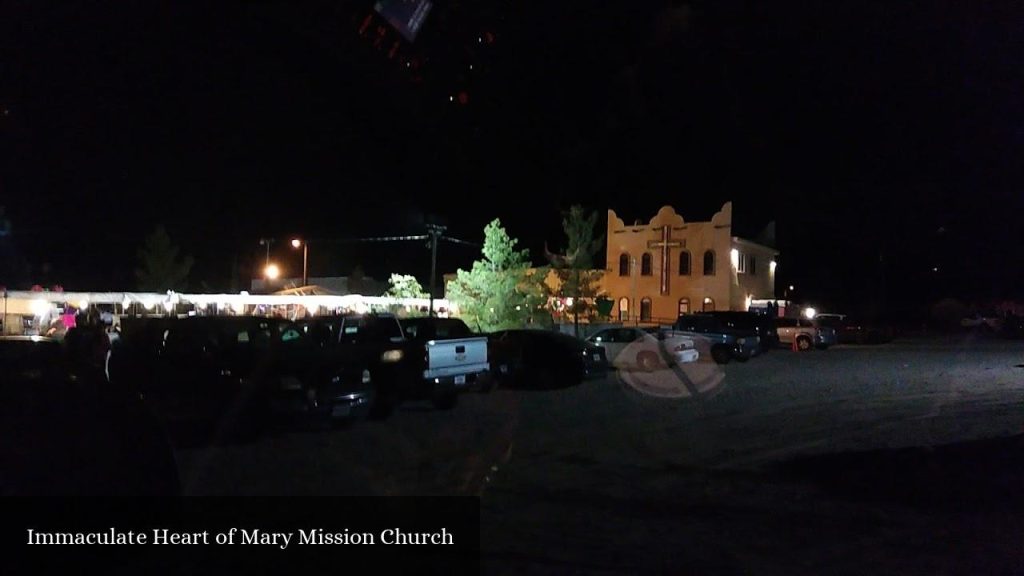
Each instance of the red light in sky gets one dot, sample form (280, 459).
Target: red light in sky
(463, 98)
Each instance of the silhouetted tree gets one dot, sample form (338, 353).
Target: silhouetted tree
(161, 267)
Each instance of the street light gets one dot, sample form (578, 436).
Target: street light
(267, 242)
(297, 243)
(272, 272)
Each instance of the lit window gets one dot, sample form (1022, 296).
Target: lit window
(684, 306)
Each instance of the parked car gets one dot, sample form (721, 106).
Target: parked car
(850, 330)
(454, 359)
(724, 343)
(545, 359)
(399, 365)
(230, 376)
(615, 341)
(986, 321)
(763, 325)
(806, 333)
(68, 431)
(378, 342)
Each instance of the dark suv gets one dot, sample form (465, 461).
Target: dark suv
(378, 342)
(763, 325)
(227, 375)
(726, 342)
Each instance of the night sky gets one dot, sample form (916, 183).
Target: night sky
(884, 138)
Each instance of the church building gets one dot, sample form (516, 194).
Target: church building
(667, 267)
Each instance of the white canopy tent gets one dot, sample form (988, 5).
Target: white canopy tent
(44, 304)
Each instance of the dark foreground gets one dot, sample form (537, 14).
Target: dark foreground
(904, 458)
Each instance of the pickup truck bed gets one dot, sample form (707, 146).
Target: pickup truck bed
(453, 358)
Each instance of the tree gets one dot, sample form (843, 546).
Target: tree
(357, 280)
(161, 268)
(500, 291)
(576, 277)
(404, 286)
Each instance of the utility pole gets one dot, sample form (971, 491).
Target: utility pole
(305, 264)
(266, 242)
(435, 231)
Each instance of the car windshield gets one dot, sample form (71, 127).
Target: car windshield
(671, 287)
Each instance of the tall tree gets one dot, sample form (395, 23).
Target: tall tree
(404, 286)
(500, 291)
(577, 278)
(160, 266)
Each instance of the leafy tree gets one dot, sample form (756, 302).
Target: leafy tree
(499, 292)
(577, 278)
(580, 229)
(404, 286)
(161, 268)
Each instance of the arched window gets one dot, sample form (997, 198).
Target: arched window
(645, 310)
(645, 264)
(684, 306)
(624, 265)
(684, 263)
(623, 309)
(709, 263)
(709, 305)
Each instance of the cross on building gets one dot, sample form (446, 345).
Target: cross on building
(665, 244)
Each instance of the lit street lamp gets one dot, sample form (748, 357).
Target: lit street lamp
(272, 272)
(297, 243)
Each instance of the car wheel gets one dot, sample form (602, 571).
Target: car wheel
(803, 343)
(721, 355)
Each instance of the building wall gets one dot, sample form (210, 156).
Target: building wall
(758, 283)
(726, 289)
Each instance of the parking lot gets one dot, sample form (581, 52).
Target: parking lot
(602, 475)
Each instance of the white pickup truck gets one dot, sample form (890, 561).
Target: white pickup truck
(454, 360)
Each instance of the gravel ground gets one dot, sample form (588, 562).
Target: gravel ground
(790, 463)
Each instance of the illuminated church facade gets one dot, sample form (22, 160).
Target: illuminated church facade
(665, 267)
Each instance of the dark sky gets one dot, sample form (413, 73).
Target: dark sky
(861, 128)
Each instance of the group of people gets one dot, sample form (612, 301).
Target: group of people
(94, 434)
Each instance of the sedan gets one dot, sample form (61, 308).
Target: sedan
(619, 347)
(544, 359)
